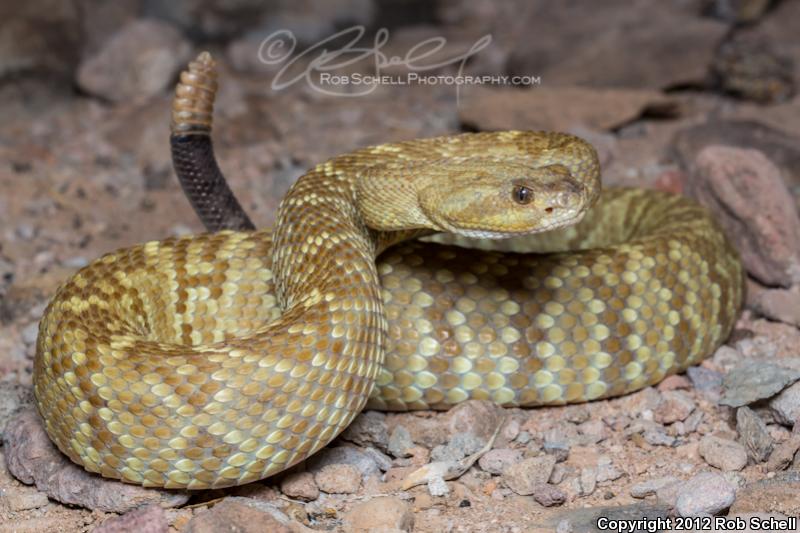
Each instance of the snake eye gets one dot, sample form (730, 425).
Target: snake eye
(522, 195)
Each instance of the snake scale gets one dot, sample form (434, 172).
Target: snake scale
(219, 359)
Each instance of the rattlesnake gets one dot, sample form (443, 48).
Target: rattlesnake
(219, 359)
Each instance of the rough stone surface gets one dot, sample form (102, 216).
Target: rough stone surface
(400, 442)
(785, 407)
(753, 434)
(776, 495)
(243, 515)
(300, 485)
(22, 500)
(675, 405)
(523, 477)
(783, 454)
(349, 455)
(706, 493)
(13, 398)
(368, 429)
(777, 304)
(753, 381)
(496, 461)
(749, 198)
(727, 455)
(33, 459)
(557, 108)
(548, 495)
(384, 513)
(480, 417)
(148, 519)
(138, 62)
(649, 487)
(338, 479)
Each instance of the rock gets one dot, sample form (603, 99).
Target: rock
(32, 458)
(243, 515)
(344, 455)
(606, 471)
(727, 455)
(658, 437)
(523, 477)
(400, 442)
(705, 380)
(384, 513)
(589, 55)
(675, 405)
(778, 304)
(338, 479)
(582, 108)
(585, 520)
(558, 449)
(496, 461)
(785, 407)
(28, 43)
(753, 381)
(138, 62)
(587, 480)
(548, 495)
(753, 434)
(13, 398)
(300, 485)
(750, 66)
(783, 454)
(15, 499)
(368, 429)
(148, 519)
(776, 495)
(480, 418)
(461, 445)
(705, 494)
(593, 431)
(649, 487)
(745, 191)
(673, 382)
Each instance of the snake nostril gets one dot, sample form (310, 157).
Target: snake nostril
(548, 210)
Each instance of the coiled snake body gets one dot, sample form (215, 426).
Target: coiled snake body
(220, 359)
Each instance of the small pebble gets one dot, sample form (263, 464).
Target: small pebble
(753, 434)
(727, 455)
(300, 485)
(675, 405)
(400, 442)
(588, 480)
(22, 500)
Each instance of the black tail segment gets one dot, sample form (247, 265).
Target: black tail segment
(193, 152)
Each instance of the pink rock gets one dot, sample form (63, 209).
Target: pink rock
(149, 519)
(242, 515)
(384, 513)
(745, 191)
(300, 485)
(338, 479)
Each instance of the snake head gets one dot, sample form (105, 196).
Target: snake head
(498, 199)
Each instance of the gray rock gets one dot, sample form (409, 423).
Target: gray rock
(496, 461)
(587, 480)
(753, 381)
(727, 455)
(138, 62)
(658, 437)
(705, 494)
(753, 434)
(344, 455)
(785, 407)
(558, 449)
(705, 380)
(368, 429)
(585, 520)
(13, 399)
(777, 304)
(461, 445)
(783, 454)
(400, 442)
(649, 487)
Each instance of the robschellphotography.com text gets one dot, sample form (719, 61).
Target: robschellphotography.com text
(416, 78)
(697, 523)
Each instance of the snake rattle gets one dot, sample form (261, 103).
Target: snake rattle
(219, 359)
